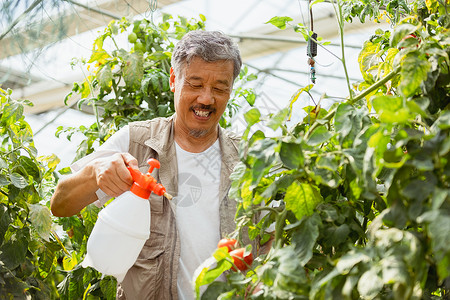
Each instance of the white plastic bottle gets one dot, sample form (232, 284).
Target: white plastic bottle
(123, 227)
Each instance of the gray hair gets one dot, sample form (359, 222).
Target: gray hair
(208, 45)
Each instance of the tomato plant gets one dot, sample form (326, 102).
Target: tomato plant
(362, 187)
(29, 248)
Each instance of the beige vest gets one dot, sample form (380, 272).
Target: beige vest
(154, 274)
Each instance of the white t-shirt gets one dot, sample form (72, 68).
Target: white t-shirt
(197, 211)
(196, 205)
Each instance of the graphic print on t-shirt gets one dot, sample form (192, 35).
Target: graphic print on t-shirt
(193, 186)
(197, 172)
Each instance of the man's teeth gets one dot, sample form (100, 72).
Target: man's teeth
(201, 113)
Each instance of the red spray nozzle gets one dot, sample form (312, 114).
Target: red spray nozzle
(144, 184)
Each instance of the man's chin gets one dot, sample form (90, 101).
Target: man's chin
(198, 133)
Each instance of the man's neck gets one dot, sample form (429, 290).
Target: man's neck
(194, 144)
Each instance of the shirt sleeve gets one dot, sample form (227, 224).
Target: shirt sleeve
(117, 143)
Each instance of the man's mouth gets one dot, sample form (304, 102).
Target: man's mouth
(202, 112)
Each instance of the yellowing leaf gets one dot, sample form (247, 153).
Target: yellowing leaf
(302, 199)
(414, 71)
(297, 94)
(86, 87)
(69, 262)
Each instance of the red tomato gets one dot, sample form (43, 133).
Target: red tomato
(241, 262)
(229, 243)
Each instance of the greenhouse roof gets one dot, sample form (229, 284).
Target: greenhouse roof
(38, 48)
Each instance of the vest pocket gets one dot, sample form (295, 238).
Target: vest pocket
(156, 204)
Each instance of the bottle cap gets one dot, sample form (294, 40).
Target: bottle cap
(145, 184)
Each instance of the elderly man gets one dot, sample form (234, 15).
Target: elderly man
(196, 156)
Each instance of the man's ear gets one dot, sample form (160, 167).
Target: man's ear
(172, 80)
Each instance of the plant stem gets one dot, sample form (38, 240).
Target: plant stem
(375, 86)
(341, 33)
(317, 124)
(279, 222)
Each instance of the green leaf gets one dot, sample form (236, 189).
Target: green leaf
(291, 155)
(395, 270)
(400, 32)
(238, 171)
(18, 180)
(108, 286)
(3, 163)
(41, 218)
(216, 290)
(251, 98)
(319, 136)
(391, 109)
(13, 252)
(278, 119)
(252, 116)
(349, 260)
(305, 238)
(437, 229)
(302, 199)
(104, 77)
(31, 168)
(413, 72)
(5, 220)
(47, 254)
(12, 112)
(4, 180)
(342, 120)
(315, 2)
(133, 69)
(370, 284)
(212, 268)
(328, 162)
(280, 22)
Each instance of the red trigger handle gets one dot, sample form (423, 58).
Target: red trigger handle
(153, 164)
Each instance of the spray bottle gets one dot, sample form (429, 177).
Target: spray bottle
(123, 226)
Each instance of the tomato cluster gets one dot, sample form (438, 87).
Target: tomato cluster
(240, 260)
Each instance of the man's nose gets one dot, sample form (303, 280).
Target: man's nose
(206, 96)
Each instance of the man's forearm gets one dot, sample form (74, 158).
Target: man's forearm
(74, 192)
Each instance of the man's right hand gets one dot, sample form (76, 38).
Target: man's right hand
(112, 175)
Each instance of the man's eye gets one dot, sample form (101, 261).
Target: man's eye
(219, 90)
(195, 86)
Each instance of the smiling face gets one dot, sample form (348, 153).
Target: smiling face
(201, 92)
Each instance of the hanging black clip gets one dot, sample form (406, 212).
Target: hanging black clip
(312, 45)
(312, 52)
